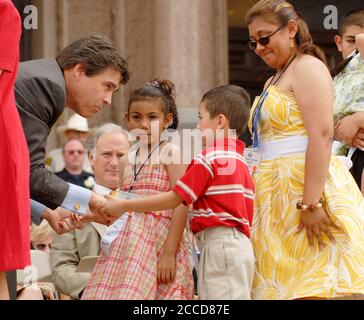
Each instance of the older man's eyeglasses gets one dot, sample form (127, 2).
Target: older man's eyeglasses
(263, 41)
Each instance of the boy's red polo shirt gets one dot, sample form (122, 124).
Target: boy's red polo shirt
(219, 185)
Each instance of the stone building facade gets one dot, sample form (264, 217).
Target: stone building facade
(198, 44)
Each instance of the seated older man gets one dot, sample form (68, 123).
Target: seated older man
(106, 146)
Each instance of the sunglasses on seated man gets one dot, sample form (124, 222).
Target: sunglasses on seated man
(72, 152)
(263, 41)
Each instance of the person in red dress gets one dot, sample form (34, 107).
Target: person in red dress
(14, 155)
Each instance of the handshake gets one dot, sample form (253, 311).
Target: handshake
(100, 211)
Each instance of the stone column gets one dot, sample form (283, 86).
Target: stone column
(181, 40)
(45, 43)
(74, 19)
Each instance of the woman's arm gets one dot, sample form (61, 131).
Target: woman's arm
(313, 91)
(1, 72)
(311, 76)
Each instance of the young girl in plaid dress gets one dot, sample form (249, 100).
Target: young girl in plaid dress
(147, 260)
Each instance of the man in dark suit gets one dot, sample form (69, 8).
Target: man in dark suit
(83, 77)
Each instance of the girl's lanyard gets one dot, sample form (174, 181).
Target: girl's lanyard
(136, 173)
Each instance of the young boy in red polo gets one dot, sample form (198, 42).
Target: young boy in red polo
(220, 187)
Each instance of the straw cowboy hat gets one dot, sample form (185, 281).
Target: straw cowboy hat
(76, 122)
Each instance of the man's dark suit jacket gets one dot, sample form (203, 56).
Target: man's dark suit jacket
(40, 93)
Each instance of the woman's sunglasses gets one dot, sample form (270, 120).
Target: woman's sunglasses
(263, 41)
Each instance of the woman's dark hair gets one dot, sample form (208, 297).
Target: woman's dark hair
(282, 12)
(96, 53)
(163, 90)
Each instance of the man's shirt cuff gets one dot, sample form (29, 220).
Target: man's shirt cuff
(77, 199)
(36, 210)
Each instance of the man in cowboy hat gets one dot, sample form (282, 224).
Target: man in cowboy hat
(75, 129)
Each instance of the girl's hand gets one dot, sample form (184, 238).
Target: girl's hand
(346, 129)
(316, 222)
(166, 270)
(114, 207)
(1, 72)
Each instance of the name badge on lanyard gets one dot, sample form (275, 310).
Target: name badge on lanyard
(253, 155)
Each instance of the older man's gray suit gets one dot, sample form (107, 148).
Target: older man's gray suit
(67, 251)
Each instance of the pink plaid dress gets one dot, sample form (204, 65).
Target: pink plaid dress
(130, 270)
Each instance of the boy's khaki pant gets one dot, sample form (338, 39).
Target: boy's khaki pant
(226, 267)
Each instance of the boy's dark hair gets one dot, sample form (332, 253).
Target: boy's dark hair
(352, 18)
(231, 101)
(163, 90)
(96, 53)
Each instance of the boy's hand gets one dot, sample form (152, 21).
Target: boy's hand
(166, 270)
(113, 207)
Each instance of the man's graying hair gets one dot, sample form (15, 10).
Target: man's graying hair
(106, 128)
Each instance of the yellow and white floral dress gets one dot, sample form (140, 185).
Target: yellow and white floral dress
(286, 268)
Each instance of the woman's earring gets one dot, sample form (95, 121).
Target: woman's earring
(291, 44)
